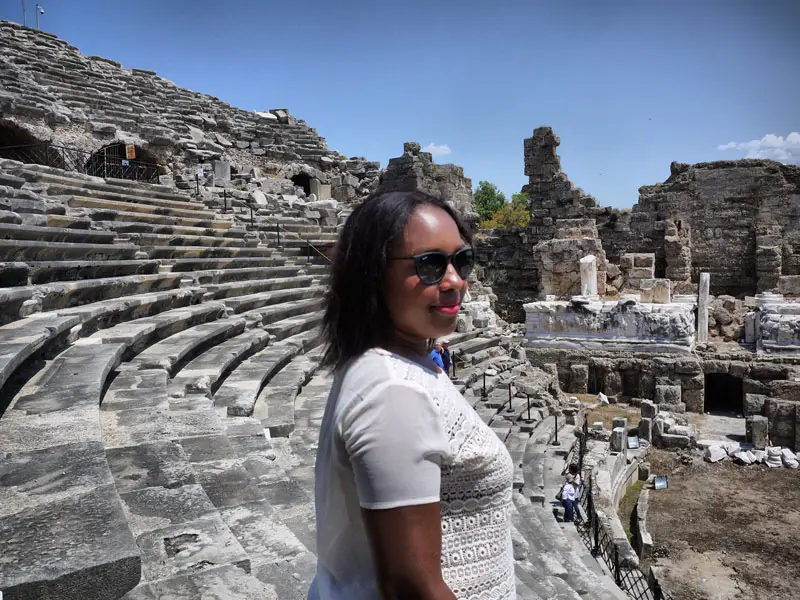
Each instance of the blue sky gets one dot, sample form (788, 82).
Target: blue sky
(629, 86)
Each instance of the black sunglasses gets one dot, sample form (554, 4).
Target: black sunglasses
(432, 266)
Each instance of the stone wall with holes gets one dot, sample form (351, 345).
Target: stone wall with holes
(415, 170)
(676, 382)
(54, 93)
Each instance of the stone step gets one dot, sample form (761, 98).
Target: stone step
(174, 501)
(534, 461)
(205, 372)
(474, 345)
(9, 231)
(134, 207)
(111, 188)
(67, 519)
(180, 240)
(106, 215)
(30, 250)
(59, 295)
(237, 395)
(143, 332)
(172, 353)
(173, 252)
(275, 404)
(261, 317)
(52, 331)
(132, 227)
(251, 302)
(240, 288)
(220, 276)
(187, 265)
(291, 326)
(78, 270)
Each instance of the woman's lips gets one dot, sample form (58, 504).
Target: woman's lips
(451, 309)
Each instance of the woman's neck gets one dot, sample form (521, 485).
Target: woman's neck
(408, 346)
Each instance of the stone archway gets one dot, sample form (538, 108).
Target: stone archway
(114, 162)
(16, 143)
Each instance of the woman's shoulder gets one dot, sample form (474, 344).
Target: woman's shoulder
(378, 367)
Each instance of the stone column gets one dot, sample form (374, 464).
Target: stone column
(589, 275)
(702, 308)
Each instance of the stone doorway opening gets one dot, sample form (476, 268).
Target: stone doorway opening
(114, 161)
(724, 394)
(18, 144)
(303, 180)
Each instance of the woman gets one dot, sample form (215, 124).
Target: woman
(413, 490)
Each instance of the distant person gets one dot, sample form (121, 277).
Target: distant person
(568, 497)
(576, 483)
(446, 358)
(436, 355)
(412, 489)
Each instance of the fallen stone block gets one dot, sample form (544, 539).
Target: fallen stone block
(649, 409)
(774, 457)
(715, 454)
(789, 459)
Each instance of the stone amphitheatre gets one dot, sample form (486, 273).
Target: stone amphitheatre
(162, 260)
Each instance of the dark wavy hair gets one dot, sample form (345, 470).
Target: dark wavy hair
(356, 316)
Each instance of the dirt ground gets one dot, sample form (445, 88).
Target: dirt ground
(726, 532)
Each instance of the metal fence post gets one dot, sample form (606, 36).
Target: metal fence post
(555, 441)
(483, 393)
(308, 252)
(278, 231)
(528, 396)
(617, 572)
(453, 362)
(197, 184)
(224, 201)
(252, 220)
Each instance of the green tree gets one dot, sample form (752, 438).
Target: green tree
(488, 200)
(521, 200)
(509, 217)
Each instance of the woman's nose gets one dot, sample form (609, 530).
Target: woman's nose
(451, 278)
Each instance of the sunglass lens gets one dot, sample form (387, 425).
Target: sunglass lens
(464, 261)
(431, 267)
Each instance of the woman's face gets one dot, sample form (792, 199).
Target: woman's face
(420, 311)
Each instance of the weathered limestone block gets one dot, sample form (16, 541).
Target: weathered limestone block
(579, 379)
(618, 439)
(754, 404)
(693, 400)
(588, 266)
(668, 394)
(757, 431)
(649, 409)
(619, 325)
(672, 440)
(781, 415)
(656, 291)
(612, 383)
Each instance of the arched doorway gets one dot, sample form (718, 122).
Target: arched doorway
(123, 161)
(303, 180)
(17, 143)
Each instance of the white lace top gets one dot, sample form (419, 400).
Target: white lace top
(397, 434)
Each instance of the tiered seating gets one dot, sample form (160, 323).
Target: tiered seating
(129, 356)
(183, 380)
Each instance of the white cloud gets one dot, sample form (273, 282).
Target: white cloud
(783, 149)
(437, 150)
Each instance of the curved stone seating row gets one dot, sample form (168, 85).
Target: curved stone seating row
(61, 520)
(33, 273)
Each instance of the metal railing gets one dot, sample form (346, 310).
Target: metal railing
(98, 164)
(595, 535)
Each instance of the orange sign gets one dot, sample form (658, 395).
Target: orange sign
(130, 151)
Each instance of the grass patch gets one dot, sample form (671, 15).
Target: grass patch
(608, 412)
(626, 505)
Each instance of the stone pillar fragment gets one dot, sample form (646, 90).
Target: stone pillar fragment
(589, 275)
(702, 308)
(618, 440)
(757, 431)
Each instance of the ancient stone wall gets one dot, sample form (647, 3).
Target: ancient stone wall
(51, 92)
(415, 170)
(742, 217)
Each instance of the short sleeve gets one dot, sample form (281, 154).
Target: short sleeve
(395, 441)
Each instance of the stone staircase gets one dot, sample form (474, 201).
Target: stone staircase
(161, 401)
